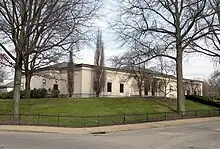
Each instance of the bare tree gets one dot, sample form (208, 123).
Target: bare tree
(166, 76)
(3, 74)
(166, 28)
(99, 69)
(213, 85)
(205, 88)
(210, 43)
(48, 51)
(138, 72)
(33, 27)
(70, 74)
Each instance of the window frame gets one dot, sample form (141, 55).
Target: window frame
(121, 88)
(109, 84)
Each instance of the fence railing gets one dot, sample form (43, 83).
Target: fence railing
(100, 120)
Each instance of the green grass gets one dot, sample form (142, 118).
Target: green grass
(189, 105)
(86, 106)
(82, 107)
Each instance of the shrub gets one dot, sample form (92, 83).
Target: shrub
(6, 95)
(22, 95)
(34, 93)
(203, 100)
(55, 93)
(39, 93)
(43, 93)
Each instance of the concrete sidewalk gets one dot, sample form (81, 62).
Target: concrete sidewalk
(107, 129)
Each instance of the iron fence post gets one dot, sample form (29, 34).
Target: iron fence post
(165, 115)
(196, 113)
(19, 119)
(83, 122)
(146, 117)
(124, 118)
(38, 119)
(58, 119)
(98, 123)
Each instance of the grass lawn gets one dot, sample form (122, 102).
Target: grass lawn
(94, 107)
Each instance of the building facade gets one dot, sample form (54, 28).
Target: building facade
(117, 82)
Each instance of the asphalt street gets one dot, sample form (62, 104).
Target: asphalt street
(194, 136)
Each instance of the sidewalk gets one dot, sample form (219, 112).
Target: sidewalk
(107, 129)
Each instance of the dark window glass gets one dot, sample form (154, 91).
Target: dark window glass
(121, 88)
(55, 87)
(171, 88)
(44, 81)
(109, 87)
(146, 87)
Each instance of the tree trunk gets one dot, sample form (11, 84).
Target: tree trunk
(28, 77)
(140, 91)
(179, 70)
(70, 74)
(179, 64)
(17, 87)
(165, 93)
(97, 94)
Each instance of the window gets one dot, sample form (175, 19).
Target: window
(109, 87)
(171, 88)
(55, 87)
(146, 87)
(199, 93)
(121, 88)
(44, 81)
(154, 87)
(188, 92)
(161, 85)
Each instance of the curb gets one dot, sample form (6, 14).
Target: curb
(105, 129)
(29, 131)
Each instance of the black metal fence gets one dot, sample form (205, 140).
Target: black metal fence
(101, 120)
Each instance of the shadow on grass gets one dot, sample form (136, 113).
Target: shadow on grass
(165, 105)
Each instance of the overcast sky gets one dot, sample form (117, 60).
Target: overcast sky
(194, 66)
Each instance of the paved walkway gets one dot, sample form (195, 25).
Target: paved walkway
(106, 129)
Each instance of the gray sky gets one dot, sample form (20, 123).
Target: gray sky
(194, 66)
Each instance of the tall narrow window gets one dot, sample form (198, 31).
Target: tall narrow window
(44, 81)
(171, 88)
(154, 87)
(55, 87)
(109, 87)
(146, 87)
(121, 88)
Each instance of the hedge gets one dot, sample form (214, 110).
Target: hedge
(35, 93)
(203, 100)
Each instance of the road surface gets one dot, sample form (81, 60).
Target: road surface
(194, 136)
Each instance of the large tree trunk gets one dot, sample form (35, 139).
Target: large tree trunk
(28, 77)
(140, 89)
(97, 94)
(165, 92)
(179, 71)
(70, 74)
(179, 65)
(140, 92)
(17, 87)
